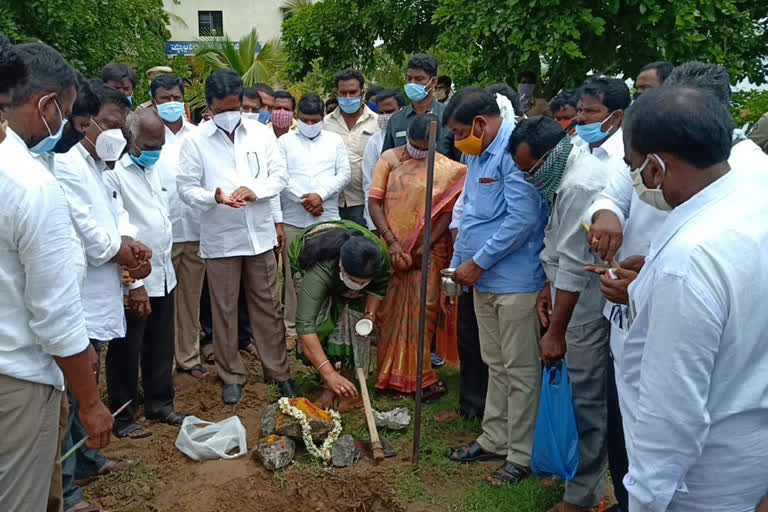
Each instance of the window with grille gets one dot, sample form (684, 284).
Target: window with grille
(210, 23)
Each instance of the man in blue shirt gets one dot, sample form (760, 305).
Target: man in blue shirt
(501, 234)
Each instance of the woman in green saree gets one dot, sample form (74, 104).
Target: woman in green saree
(342, 271)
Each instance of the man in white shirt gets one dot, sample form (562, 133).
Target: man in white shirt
(318, 169)
(389, 102)
(694, 362)
(149, 335)
(232, 171)
(43, 336)
(168, 98)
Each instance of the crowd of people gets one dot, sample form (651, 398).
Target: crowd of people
(626, 236)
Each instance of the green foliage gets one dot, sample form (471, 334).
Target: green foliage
(748, 106)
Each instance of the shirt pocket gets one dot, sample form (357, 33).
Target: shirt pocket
(489, 195)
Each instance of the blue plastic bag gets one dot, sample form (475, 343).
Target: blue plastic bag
(556, 440)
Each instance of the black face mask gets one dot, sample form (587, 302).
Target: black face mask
(69, 138)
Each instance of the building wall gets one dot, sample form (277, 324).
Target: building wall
(238, 17)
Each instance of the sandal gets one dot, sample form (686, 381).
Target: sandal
(173, 418)
(472, 453)
(509, 473)
(198, 372)
(433, 393)
(251, 349)
(133, 431)
(208, 354)
(84, 507)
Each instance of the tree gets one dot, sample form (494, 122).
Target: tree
(252, 61)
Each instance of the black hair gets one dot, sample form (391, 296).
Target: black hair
(331, 101)
(167, 82)
(424, 62)
(12, 68)
(286, 95)
(509, 92)
(445, 80)
(710, 77)
(360, 256)
(662, 67)
(106, 94)
(565, 98)
(385, 94)
(251, 92)
(261, 86)
(690, 123)
(117, 72)
(612, 92)
(349, 74)
(540, 133)
(470, 102)
(311, 104)
(46, 71)
(372, 91)
(418, 129)
(223, 83)
(530, 75)
(87, 103)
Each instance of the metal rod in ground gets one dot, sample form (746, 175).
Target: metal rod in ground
(423, 295)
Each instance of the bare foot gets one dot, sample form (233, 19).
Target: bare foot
(325, 400)
(444, 416)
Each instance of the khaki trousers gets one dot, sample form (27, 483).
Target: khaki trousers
(190, 271)
(56, 494)
(259, 279)
(509, 334)
(29, 422)
(289, 292)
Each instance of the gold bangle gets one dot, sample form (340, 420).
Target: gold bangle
(392, 242)
(327, 361)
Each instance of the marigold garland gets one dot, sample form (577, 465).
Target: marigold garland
(324, 452)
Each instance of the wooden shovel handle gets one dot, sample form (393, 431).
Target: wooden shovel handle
(378, 452)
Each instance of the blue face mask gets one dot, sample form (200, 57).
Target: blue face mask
(171, 111)
(373, 106)
(350, 105)
(264, 116)
(415, 92)
(130, 99)
(146, 158)
(48, 143)
(593, 132)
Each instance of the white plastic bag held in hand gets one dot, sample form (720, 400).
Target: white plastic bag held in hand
(203, 440)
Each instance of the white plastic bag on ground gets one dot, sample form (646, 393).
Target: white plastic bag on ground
(203, 440)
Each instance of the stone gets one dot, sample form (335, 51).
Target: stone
(274, 452)
(343, 452)
(396, 419)
(268, 420)
(320, 421)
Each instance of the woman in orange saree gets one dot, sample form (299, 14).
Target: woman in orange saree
(396, 204)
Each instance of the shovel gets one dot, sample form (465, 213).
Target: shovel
(361, 349)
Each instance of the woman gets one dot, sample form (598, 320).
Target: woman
(397, 207)
(341, 271)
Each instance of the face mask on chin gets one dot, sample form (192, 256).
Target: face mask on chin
(651, 196)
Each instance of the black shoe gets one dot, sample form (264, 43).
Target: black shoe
(231, 393)
(287, 389)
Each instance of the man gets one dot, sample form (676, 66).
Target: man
(282, 113)
(652, 75)
(332, 103)
(420, 82)
(223, 166)
(759, 133)
(96, 217)
(570, 306)
(153, 73)
(85, 107)
(497, 251)
(318, 170)
(168, 99)
(267, 96)
(389, 102)
(43, 337)
(252, 105)
(149, 339)
(443, 88)
(370, 98)
(121, 77)
(530, 96)
(564, 107)
(356, 123)
(685, 412)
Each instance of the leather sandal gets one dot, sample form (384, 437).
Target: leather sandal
(509, 473)
(472, 453)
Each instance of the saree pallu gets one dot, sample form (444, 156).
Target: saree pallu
(400, 182)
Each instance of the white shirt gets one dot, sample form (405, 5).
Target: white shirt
(695, 362)
(139, 191)
(319, 166)
(40, 310)
(209, 160)
(371, 155)
(95, 213)
(185, 219)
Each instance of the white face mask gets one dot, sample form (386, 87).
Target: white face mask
(109, 144)
(253, 116)
(349, 283)
(310, 131)
(228, 121)
(651, 196)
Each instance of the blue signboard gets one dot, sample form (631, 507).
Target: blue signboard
(190, 47)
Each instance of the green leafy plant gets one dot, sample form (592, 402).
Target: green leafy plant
(748, 106)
